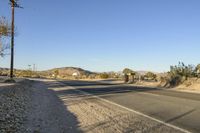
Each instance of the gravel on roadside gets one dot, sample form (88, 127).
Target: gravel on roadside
(13, 105)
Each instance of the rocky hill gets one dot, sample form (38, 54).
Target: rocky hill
(69, 71)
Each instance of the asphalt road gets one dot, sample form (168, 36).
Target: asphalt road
(180, 109)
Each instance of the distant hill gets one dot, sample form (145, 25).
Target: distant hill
(70, 71)
(4, 69)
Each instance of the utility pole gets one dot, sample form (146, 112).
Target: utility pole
(12, 40)
(29, 67)
(34, 68)
(14, 5)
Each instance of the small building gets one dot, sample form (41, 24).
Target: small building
(75, 74)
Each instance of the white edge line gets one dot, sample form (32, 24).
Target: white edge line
(136, 112)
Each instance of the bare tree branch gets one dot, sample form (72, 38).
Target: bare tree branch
(5, 31)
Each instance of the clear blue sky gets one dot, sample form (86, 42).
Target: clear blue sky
(105, 35)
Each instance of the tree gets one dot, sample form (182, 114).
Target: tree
(5, 31)
(128, 72)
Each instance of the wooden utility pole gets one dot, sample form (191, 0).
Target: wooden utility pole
(13, 5)
(12, 39)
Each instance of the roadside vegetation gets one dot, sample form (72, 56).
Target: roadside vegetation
(150, 76)
(180, 74)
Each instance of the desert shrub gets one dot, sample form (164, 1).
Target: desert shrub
(56, 73)
(92, 76)
(197, 71)
(104, 75)
(175, 80)
(113, 74)
(150, 75)
(179, 73)
(170, 81)
(182, 70)
(4, 72)
(25, 73)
